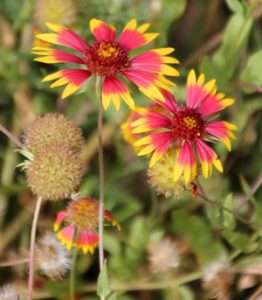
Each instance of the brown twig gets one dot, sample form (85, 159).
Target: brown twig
(12, 137)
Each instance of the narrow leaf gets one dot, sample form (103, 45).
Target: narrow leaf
(103, 289)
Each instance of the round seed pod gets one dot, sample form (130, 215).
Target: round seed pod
(55, 173)
(50, 129)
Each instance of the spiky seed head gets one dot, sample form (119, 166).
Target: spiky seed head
(52, 128)
(161, 177)
(8, 292)
(51, 257)
(55, 173)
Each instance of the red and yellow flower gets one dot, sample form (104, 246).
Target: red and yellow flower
(80, 220)
(186, 129)
(126, 128)
(110, 58)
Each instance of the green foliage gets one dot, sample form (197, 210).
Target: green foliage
(250, 75)
(103, 289)
(205, 247)
(240, 241)
(225, 60)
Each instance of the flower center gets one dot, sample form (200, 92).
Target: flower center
(106, 58)
(188, 124)
(83, 213)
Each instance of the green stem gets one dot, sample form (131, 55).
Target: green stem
(101, 178)
(72, 276)
(203, 196)
(32, 249)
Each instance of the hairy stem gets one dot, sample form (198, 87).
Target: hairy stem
(72, 275)
(101, 184)
(32, 248)
(12, 137)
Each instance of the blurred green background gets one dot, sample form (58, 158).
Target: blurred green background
(220, 38)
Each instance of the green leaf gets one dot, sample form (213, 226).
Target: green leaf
(180, 293)
(235, 37)
(240, 241)
(229, 221)
(250, 74)
(198, 234)
(247, 190)
(235, 6)
(103, 289)
(112, 296)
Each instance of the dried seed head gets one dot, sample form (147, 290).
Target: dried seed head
(8, 292)
(161, 177)
(163, 256)
(55, 173)
(218, 279)
(55, 11)
(52, 128)
(51, 257)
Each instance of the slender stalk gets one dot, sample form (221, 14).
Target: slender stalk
(14, 263)
(72, 276)
(32, 248)
(101, 177)
(12, 137)
(235, 214)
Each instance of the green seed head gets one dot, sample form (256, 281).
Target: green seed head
(50, 129)
(55, 173)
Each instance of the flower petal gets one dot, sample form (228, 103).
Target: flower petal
(222, 130)
(74, 78)
(185, 163)
(52, 56)
(133, 37)
(207, 158)
(87, 241)
(66, 235)
(102, 31)
(147, 83)
(153, 120)
(113, 89)
(162, 142)
(64, 37)
(59, 219)
(170, 102)
(110, 217)
(148, 61)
